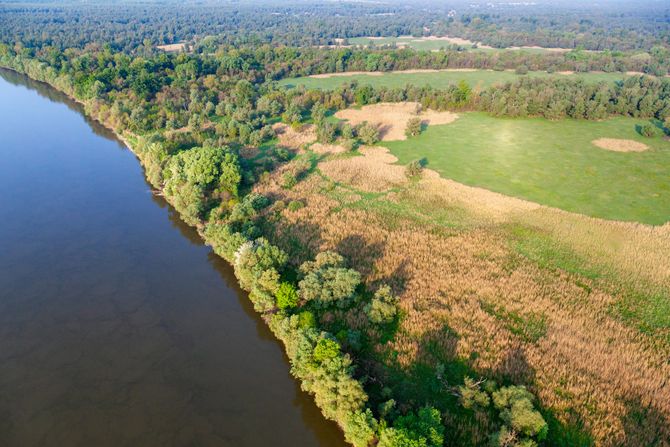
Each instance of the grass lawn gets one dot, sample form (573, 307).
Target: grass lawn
(422, 44)
(552, 163)
(442, 79)
(410, 42)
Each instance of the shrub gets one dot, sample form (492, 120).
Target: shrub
(383, 307)
(295, 205)
(414, 168)
(325, 132)
(368, 133)
(287, 296)
(288, 180)
(521, 70)
(413, 127)
(648, 130)
(347, 131)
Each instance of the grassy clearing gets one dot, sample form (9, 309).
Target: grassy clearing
(551, 162)
(434, 44)
(438, 79)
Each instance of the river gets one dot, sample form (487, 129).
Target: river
(118, 327)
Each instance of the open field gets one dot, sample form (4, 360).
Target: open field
(575, 307)
(551, 162)
(433, 43)
(434, 78)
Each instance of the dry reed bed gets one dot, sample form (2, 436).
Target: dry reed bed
(294, 139)
(374, 171)
(586, 365)
(391, 118)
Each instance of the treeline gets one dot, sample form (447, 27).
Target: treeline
(204, 178)
(552, 98)
(135, 27)
(281, 62)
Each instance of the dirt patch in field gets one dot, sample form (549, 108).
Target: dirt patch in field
(620, 145)
(375, 171)
(391, 118)
(172, 47)
(294, 139)
(535, 47)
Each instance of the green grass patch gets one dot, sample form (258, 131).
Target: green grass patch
(440, 79)
(551, 162)
(529, 327)
(417, 43)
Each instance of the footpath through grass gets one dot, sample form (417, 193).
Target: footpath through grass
(439, 79)
(551, 162)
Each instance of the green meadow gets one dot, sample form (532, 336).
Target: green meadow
(438, 79)
(551, 162)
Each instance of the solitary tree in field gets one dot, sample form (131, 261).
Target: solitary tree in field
(368, 133)
(413, 127)
(414, 168)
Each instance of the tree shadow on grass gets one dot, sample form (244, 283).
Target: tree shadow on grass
(645, 426)
(356, 247)
(396, 280)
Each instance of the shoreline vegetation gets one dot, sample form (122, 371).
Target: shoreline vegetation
(316, 357)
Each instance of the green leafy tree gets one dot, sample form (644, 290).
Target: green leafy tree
(287, 296)
(326, 349)
(383, 307)
(318, 113)
(368, 133)
(360, 428)
(648, 130)
(515, 406)
(472, 396)
(325, 132)
(327, 281)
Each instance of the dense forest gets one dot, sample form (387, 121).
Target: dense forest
(189, 117)
(131, 26)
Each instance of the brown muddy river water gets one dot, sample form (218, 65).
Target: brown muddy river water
(118, 327)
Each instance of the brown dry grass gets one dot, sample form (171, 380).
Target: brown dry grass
(322, 149)
(294, 139)
(375, 171)
(346, 73)
(588, 365)
(172, 48)
(620, 145)
(391, 118)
